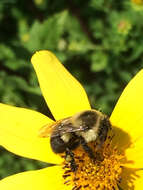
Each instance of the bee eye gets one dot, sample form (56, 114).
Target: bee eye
(57, 144)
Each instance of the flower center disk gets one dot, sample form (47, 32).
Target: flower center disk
(103, 173)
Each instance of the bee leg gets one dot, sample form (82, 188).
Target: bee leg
(70, 159)
(87, 148)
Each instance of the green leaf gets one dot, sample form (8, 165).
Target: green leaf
(99, 61)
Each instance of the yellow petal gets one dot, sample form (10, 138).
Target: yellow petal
(19, 129)
(128, 112)
(44, 179)
(132, 179)
(63, 93)
(134, 155)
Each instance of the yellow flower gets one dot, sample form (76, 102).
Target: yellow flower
(137, 5)
(122, 161)
(138, 2)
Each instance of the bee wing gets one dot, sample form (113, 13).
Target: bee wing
(71, 129)
(60, 128)
(46, 130)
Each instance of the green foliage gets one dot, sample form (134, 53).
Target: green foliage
(12, 164)
(99, 41)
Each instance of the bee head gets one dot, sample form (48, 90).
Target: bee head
(59, 143)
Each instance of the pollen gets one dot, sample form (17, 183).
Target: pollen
(103, 173)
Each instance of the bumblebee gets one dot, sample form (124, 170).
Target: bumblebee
(80, 129)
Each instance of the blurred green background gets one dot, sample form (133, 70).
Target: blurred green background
(99, 41)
